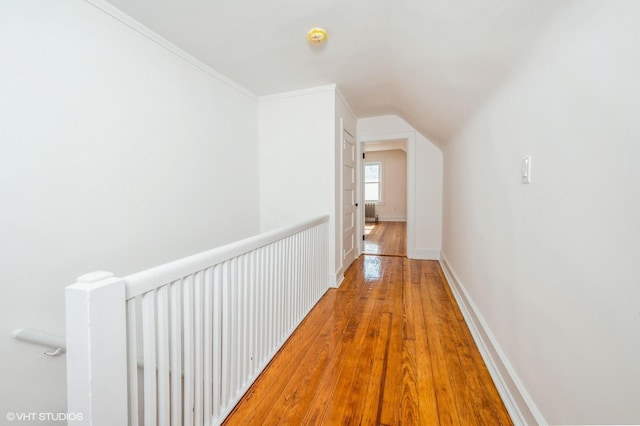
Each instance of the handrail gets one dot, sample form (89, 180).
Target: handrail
(42, 338)
(147, 280)
(48, 340)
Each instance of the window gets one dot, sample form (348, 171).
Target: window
(373, 181)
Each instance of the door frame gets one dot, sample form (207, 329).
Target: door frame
(356, 208)
(411, 185)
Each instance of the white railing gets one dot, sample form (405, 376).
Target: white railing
(202, 327)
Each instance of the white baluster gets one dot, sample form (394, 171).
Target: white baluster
(208, 335)
(164, 404)
(132, 362)
(176, 353)
(216, 340)
(188, 349)
(149, 357)
(198, 346)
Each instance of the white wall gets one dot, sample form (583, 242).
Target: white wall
(300, 162)
(393, 205)
(116, 155)
(428, 195)
(297, 175)
(553, 267)
(424, 182)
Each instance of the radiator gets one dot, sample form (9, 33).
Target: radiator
(370, 212)
(181, 343)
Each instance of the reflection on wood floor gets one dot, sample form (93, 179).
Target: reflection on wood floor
(385, 238)
(389, 347)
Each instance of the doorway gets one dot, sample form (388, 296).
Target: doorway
(349, 202)
(384, 180)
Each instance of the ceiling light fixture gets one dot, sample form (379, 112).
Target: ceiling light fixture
(317, 35)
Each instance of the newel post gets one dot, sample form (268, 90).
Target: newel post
(96, 350)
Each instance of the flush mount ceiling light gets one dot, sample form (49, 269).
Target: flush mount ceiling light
(317, 35)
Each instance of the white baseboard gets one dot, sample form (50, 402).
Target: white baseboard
(335, 280)
(519, 404)
(424, 254)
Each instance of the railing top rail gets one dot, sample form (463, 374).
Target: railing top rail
(141, 282)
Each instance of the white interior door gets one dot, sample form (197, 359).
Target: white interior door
(348, 199)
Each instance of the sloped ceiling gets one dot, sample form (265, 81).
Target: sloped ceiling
(431, 62)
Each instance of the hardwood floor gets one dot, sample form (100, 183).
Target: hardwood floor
(385, 238)
(389, 347)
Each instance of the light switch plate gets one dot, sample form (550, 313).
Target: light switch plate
(525, 168)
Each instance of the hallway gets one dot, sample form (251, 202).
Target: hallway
(388, 347)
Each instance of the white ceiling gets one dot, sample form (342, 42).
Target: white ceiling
(431, 62)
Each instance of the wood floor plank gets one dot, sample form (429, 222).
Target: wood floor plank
(483, 391)
(389, 347)
(447, 413)
(344, 337)
(353, 383)
(377, 377)
(386, 238)
(426, 392)
(408, 316)
(390, 411)
(357, 401)
(457, 374)
(325, 390)
(409, 405)
(294, 399)
(349, 390)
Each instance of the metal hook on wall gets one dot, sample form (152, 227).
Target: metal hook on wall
(58, 351)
